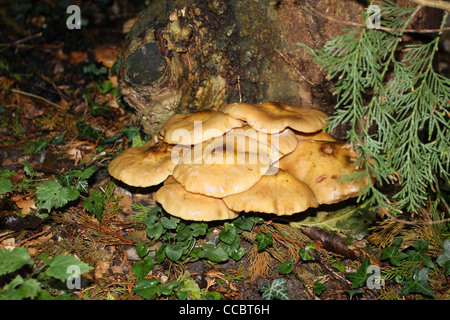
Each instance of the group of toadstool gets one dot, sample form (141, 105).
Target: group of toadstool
(269, 157)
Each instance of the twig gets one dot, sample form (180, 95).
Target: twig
(438, 4)
(294, 68)
(31, 95)
(360, 25)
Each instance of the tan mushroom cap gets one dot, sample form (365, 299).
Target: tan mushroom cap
(273, 117)
(318, 136)
(191, 206)
(190, 129)
(284, 141)
(278, 192)
(319, 164)
(224, 165)
(147, 165)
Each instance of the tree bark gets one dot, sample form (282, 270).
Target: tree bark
(190, 55)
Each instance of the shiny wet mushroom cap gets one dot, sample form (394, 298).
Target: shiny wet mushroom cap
(147, 165)
(273, 117)
(320, 164)
(192, 206)
(278, 192)
(190, 129)
(224, 165)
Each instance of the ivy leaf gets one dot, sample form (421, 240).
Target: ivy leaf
(392, 252)
(170, 223)
(286, 266)
(11, 261)
(60, 264)
(275, 289)
(154, 230)
(86, 131)
(263, 240)
(228, 234)
(174, 252)
(319, 287)
(359, 277)
(244, 223)
(213, 253)
(418, 283)
(146, 288)
(444, 259)
(142, 268)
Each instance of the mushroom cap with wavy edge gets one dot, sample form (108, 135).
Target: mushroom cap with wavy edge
(273, 117)
(317, 136)
(147, 165)
(284, 141)
(224, 165)
(191, 206)
(194, 128)
(278, 192)
(319, 164)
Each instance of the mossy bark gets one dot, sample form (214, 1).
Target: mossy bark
(189, 55)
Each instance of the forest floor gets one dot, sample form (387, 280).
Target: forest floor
(62, 120)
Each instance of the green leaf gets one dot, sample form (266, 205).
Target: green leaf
(359, 277)
(444, 258)
(154, 230)
(189, 289)
(86, 173)
(40, 146)
(263, 240)
(19, 289)
(307, 251)
(198, 228)
(174, 252)
(95, 203)
(418, 283)
(213, 253)
(244, 223)
(228, 234)
(5, 185)
(142, 249)
(146, 288)
(319, 287)
(142, 268)
(86, 131)
(352, 221)
(131, 132)
(392, 252)
(52, 194)
(59, 265)
(11, 261)
(170, 223)
(275, 289)
(286, 266)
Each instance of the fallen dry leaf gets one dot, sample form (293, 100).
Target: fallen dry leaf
(26, 205)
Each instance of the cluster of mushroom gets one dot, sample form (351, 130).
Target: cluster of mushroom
(269, 157)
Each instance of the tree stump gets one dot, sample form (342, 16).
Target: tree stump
(186, 56)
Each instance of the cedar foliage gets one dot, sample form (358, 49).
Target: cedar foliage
(396, 105)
